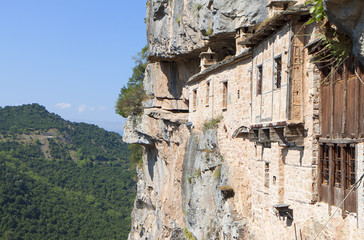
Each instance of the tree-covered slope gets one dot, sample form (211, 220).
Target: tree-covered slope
(61, 180)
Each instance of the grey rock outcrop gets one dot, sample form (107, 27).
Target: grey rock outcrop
(348, 15)
(177, 32)
(134, 133)
(179, 27)
(208, 213)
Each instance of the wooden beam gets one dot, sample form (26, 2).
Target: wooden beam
(331, 179)
(295, 133)
(343, 120)
(343, 174)
(357, 104)
(332, 102)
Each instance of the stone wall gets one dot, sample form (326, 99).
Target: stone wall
(271, 104)
(237, 111)
(264, 175)
(360, 172)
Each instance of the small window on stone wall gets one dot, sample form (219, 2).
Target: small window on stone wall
(194, 99)
(207, 93)
(225, 94)
(277, 72)
(259, 80)
(266, 175)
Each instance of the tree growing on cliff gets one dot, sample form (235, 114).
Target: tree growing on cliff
(131, 96)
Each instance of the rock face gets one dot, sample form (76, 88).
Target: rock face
(169, 201)
(348, 15)
(176, 28)
(208, 211)
(158, 210)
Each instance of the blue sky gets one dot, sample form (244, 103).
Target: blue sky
(72, 56)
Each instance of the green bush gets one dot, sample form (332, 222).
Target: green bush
(209, 31)
(188, 234)
(317, 11)
(227, 191)
(212, 123)
(132, 95)
(136, 155)
(217, 172)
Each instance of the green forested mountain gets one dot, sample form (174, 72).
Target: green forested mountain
(61, 180)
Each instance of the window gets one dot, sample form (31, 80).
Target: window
(277, 68)
(225, 94)
(194, 99)
(349, 166)
(336, 160)
(259, 80)
(266, 175)
(342, 160)
(207, 93)
(337, 175)
(324, 164)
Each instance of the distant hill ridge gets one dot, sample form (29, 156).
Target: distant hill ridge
(60, 179)
(33, 121)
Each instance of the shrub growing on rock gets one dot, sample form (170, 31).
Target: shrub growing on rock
(132, 95)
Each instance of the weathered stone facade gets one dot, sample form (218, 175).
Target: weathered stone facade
(235, 151)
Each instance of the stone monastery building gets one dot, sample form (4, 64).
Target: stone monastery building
(297, 126)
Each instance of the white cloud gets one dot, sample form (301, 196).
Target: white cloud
(84, 107)
(63, 105)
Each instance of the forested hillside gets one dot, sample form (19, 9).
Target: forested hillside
(62, 180)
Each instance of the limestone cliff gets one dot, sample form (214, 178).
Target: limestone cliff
(174, 189)
(176, 28)
(348, 15)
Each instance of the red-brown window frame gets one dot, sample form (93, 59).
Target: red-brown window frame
(324, 164)
(349, 163)
(341, 157)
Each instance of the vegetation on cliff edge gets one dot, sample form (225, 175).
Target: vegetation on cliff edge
(131, 96)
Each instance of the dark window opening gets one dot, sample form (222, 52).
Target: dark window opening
(349, 166)
(324, 164)
(266, 175)
(194, 99)
(341, 158)
(207, 93)
(277, 72)
(337, 165)
(225, 94)
(259, 80)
